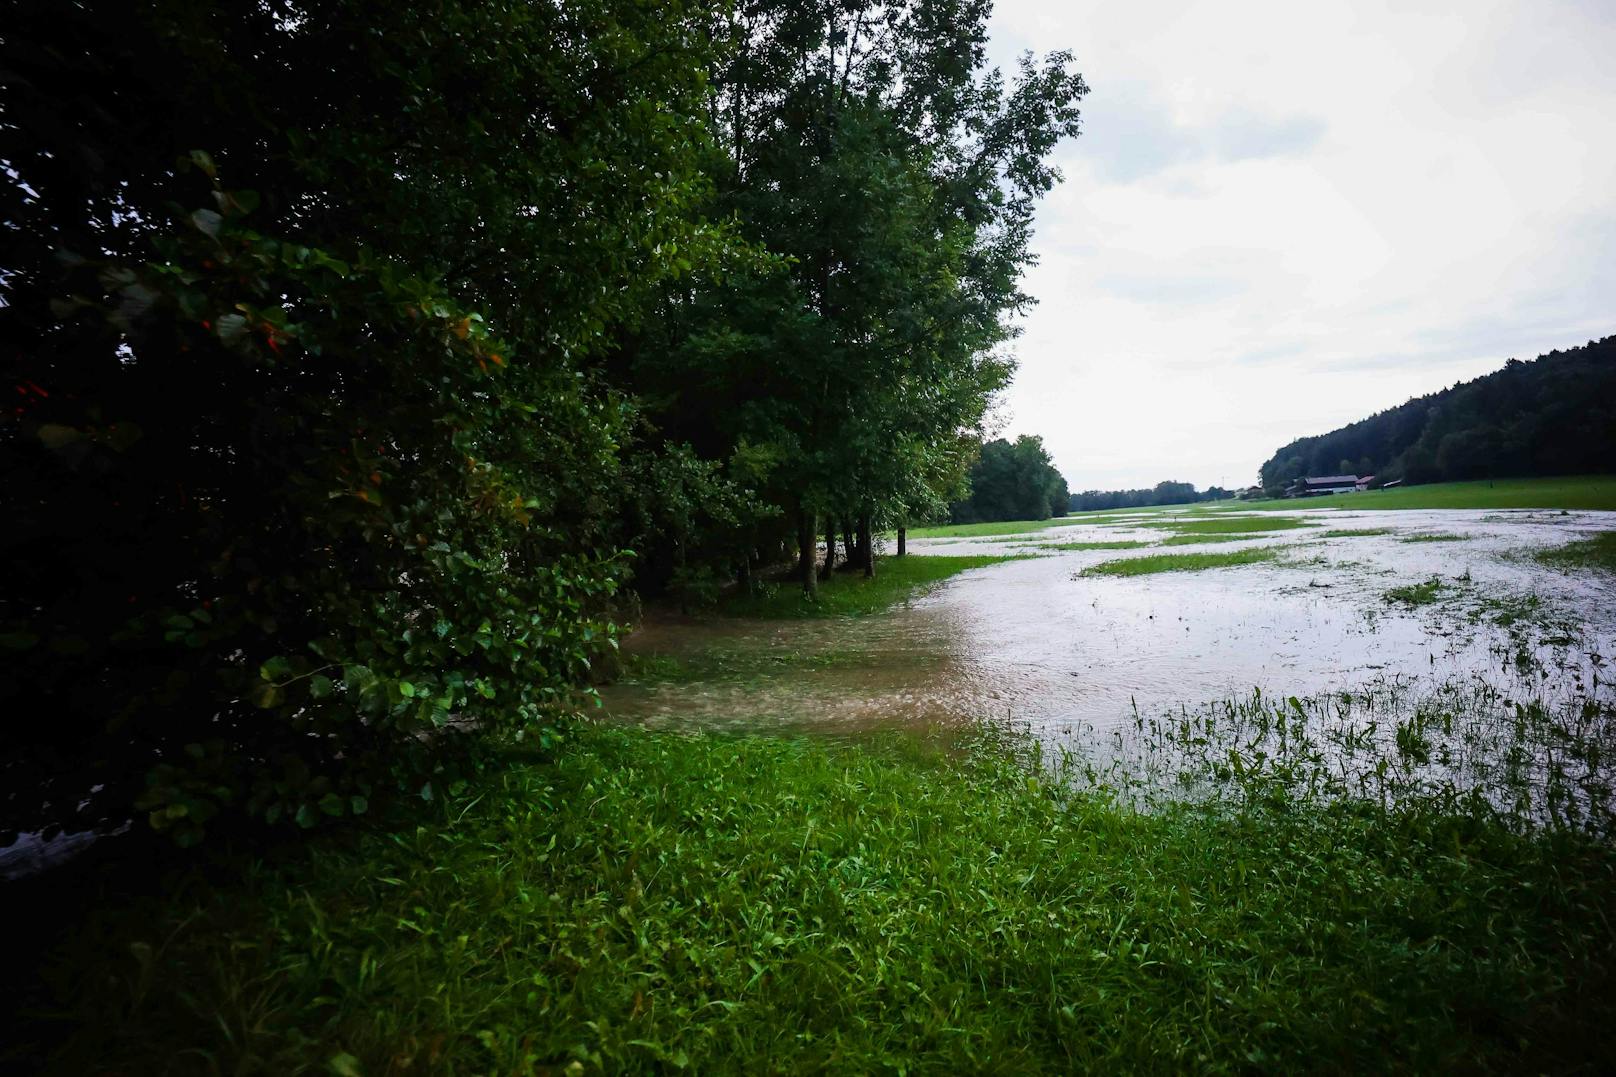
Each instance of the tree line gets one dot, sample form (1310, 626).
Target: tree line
(1553, 415)
(361, 358)
(1012, 481)
(1163, 493)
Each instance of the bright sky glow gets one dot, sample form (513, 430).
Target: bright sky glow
(1284, 216)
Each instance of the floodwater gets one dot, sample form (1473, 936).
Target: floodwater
(1070, 657)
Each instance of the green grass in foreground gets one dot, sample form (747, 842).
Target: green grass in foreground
(659, 901)
(1180, 562)
(1596, 552)
(850, 594)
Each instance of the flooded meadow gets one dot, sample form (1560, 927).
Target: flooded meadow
(1374, 652)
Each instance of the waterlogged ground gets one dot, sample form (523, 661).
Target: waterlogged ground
(1373, 621)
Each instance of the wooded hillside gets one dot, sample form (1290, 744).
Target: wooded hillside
(1553, 415)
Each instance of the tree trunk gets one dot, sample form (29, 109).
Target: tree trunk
(807, 542)
(867, 542)
(850, 542)
(903, 540)
(743, 574)
(830, 548)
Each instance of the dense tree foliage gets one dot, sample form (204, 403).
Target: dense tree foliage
(1554, 415)
(892, 180)
(1012, 481)
(360, 356)
(1163, 493)
(282, 513)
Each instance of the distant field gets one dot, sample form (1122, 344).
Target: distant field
(1566, 492)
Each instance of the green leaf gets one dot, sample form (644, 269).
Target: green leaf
(232, 328)
(265, 695)
(207, 222)
(55, 436)
(344, 1065)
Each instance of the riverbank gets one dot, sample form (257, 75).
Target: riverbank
(743, 904)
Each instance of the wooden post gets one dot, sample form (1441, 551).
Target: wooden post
(903, 540)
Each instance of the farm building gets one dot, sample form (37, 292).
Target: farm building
(1316, 485)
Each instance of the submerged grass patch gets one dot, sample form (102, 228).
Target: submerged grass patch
(849, 594)
(1231, 524)
(1597, 552)
(985, 530)
(655, 901)
(732, 663)
(1200, 540)
(1122, 544)
(1180, 562)
(1355, 532)
(1436, 536)
(1417, 594)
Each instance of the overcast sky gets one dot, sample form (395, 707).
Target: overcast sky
(1282, 217)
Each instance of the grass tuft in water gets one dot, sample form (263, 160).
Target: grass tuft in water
(1436, 536)
(1355, 532)
(1202, 540)
(1417, 594)
(1180, 562)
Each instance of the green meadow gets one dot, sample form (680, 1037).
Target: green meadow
(653, 902)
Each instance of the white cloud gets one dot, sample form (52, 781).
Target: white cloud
(1283, 217)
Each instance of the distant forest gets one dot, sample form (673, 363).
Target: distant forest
(1012, 481)
(1018, 481)
(1555, 415)
(1163, 493)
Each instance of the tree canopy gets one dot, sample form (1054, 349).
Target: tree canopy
(1012, 481)
(363, 356)
(1167, 492)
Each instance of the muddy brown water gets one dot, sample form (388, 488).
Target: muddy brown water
(1036, 643)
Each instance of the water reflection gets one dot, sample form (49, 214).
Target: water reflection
(1038, 643)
